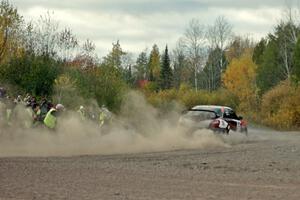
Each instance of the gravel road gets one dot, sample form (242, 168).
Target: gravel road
(266, 165)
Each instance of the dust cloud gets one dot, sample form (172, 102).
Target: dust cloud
(139, 127)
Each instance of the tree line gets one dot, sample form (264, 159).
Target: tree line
(41, 58)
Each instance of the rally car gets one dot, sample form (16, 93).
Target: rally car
(220, 119)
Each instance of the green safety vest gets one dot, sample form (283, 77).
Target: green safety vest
(102, 116)
(50, 120)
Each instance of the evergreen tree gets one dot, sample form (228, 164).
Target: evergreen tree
(258, 51)
(296, 69)
(277, 61)
(269, 72)
(166, 76)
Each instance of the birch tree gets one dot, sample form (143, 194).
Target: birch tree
(219, 35)
(194, 42)
(67, 43)
(182, 72)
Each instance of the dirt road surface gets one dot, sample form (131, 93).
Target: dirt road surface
(266, 165)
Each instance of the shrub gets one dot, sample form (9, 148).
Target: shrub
(34, 74)
(280, 106)
(188, 97)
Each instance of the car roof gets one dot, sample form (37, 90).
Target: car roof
(211, 107)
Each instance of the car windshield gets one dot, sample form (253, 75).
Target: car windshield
(200, 115)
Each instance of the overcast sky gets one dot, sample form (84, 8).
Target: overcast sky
(138, 24)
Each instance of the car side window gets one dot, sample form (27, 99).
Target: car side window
(218, 112)
(230, 114)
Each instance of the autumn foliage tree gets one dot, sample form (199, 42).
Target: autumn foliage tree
(239, 79)
(10, 23)
(154, 64)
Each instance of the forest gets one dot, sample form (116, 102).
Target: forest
(209, 65)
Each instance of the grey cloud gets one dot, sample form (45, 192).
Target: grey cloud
(252, 4)
(154, 21)
(146, 6)
(129, 6)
